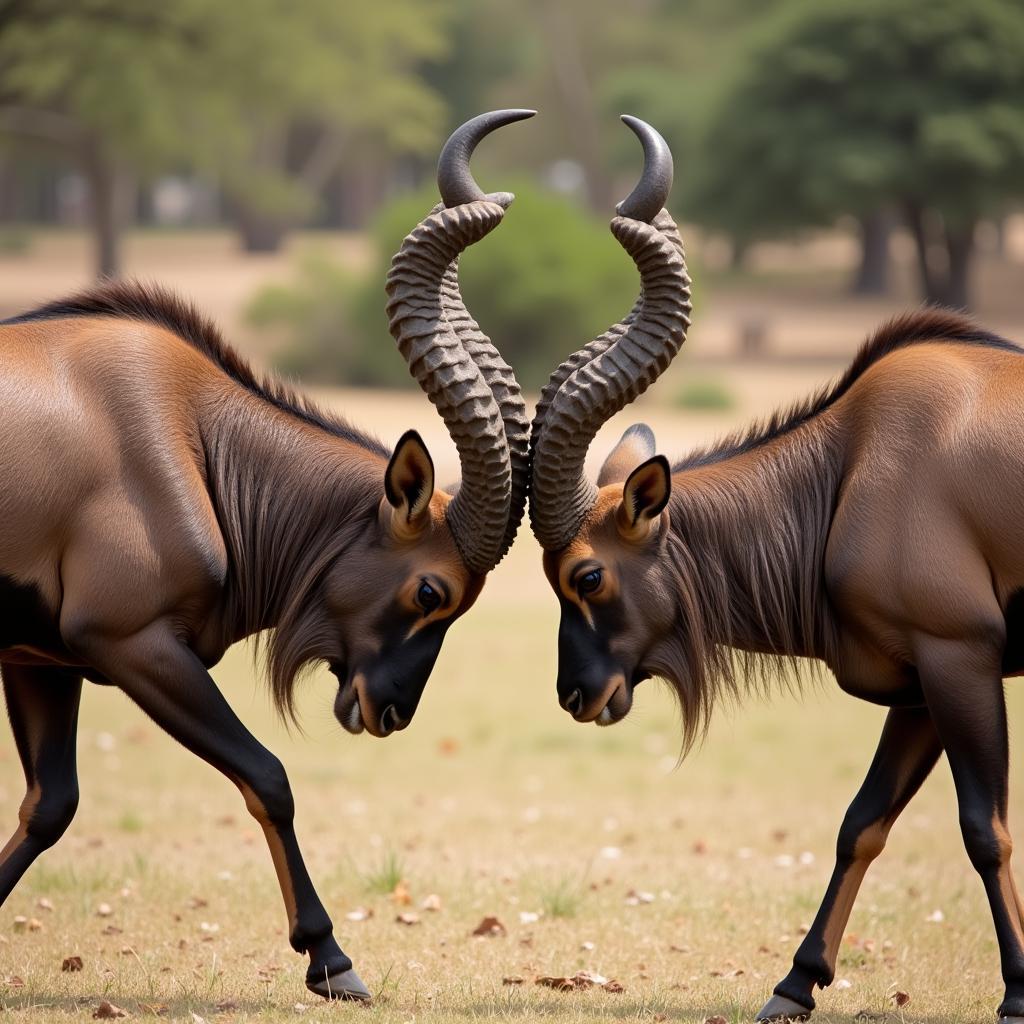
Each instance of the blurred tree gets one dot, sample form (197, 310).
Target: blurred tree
(126, 88)
(541, 286)
(854, 105)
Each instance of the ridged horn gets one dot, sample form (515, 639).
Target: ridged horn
(453, 361)
(618, 366)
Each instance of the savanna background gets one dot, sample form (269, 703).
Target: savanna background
(835, 163)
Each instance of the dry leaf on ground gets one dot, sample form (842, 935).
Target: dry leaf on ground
(431, 902)
(490, 927)
(401, 895)
(512, 979)
(359, 914)
(408, 917)
(108, 1011)
(581, 980)
(717, 1019)
(72, 963)
(900, 998)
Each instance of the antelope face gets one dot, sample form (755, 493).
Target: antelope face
(390, 604)
(616, 599)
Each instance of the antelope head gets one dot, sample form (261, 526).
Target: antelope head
(604, 545)
(431, 550)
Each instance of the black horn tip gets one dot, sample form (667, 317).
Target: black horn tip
(454, 180)
(651, 192)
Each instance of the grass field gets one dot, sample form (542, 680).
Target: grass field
(497, 803)
(689, 885)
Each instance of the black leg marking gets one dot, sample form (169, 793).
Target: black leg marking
(964, 689)
(907, 752)
(171, 685)
(42, 705)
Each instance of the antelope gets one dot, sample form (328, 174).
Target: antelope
(874, 528)
(164, 502)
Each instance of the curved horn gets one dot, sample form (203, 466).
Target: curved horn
(455, 364)
(655, 183)
(454, 180)
(478, 513)
(614, 369)
(506, 391)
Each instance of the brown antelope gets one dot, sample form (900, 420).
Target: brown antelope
(875, 527)
(162, 502)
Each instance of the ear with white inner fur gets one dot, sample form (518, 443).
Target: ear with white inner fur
(409, 483)
(635, 445)
(644, 498)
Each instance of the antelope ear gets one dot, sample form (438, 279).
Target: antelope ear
(644, 498)
(635, 445)
(409, 483)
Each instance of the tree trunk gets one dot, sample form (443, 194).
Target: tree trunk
(959, 247)
(103, 199)
(260, 232)
(873, 273)
(914, 214)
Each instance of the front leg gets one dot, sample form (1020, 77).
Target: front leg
(171, 685)
(907, 752)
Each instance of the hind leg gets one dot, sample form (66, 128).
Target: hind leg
(964, 689)
(42, 705)
(907, 752)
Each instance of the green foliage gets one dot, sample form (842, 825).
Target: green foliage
(847, 106)
(563, 897)
(216, 86)
(542, 285)
(705, 395)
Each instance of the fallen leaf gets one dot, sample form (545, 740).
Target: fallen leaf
(408, 917)
(44, 904)
(156, 1009)
(490, 927)
(226, 1006)
(528, 917)
(35, 925)
(900, 998)
(13, 981)
(196, 1019)
(717, 1019)
(431, 903)
(71, 964)
(104, 910)
(581, 980)
(401, 895)
(20, 923)
(587, 947)
(108, 1011)
(512, 979)
(844, 983)
(195, 902)
(936, 917)
(359, 914)
(301, 1007)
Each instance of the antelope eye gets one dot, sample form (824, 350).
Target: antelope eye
(589, 582)
(427, 597)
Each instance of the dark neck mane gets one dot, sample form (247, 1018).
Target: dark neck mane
(132, 300)
(746, 549)
(926, 325)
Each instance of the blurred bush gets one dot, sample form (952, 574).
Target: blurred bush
(542, 285)
(705, 395)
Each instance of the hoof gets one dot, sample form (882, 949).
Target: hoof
(345, 985)
(780, 1008)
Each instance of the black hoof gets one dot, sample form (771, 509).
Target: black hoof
(342, 985)
(780, 1008)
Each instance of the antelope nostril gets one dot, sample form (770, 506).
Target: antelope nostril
(389, 719)
(575, 702)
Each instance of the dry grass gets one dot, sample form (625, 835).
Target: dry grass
(499, 804)
(496, 802)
